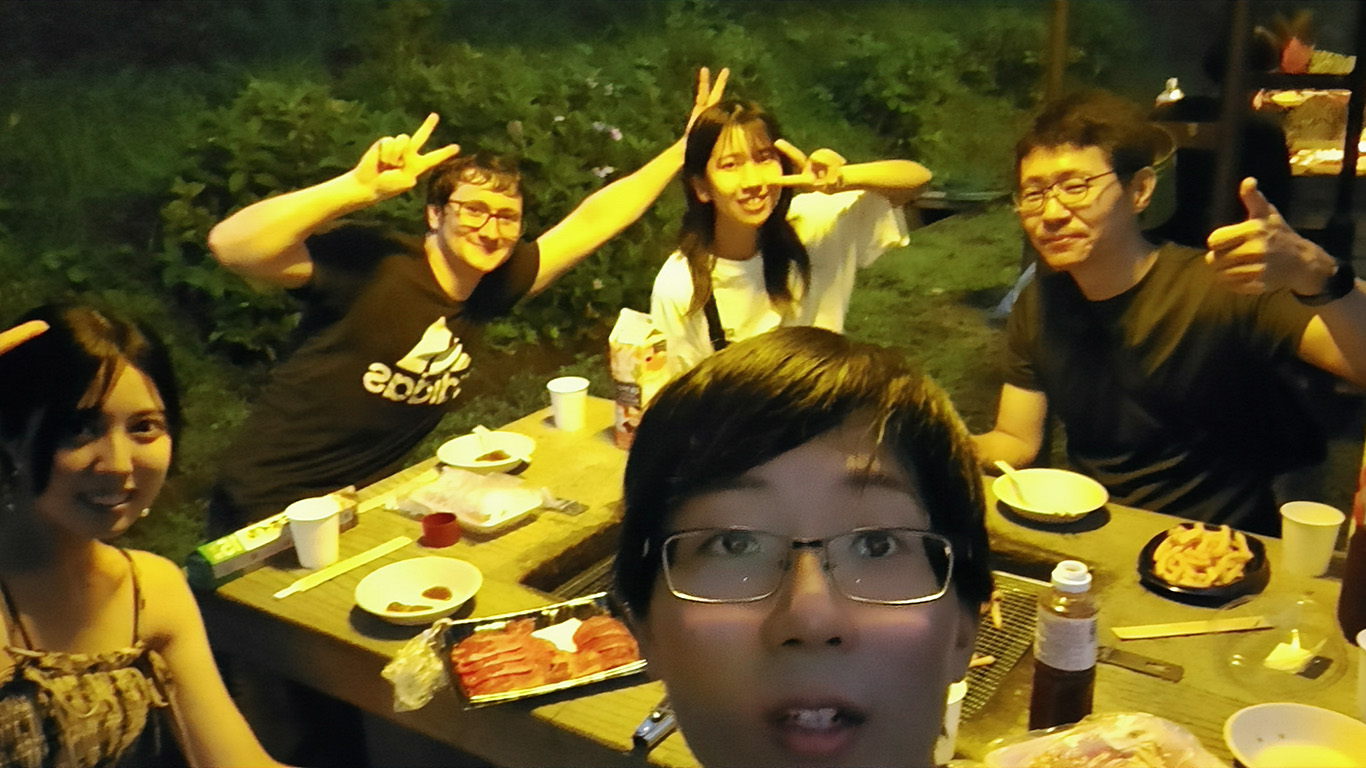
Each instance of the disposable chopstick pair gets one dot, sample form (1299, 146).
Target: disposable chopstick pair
(338, 568)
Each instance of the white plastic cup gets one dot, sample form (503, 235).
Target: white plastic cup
(1309, 531)
(1361, 674)
(568, 402)
(953, 712)
(315, 526)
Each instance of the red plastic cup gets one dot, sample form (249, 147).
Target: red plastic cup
(440, 529)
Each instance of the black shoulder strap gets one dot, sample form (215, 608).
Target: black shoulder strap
(714, 329)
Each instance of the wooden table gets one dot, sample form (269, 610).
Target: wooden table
(1109, 541)
(321, 639)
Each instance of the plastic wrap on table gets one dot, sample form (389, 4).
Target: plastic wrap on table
(1109, 740)
(556, 624)
(484, 504)
(417, 671)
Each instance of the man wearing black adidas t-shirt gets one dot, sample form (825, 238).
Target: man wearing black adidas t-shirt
(379, 353)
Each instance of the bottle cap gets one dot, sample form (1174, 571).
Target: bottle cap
(1071, 576)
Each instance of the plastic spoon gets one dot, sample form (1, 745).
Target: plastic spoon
(1014, 476)
(481, 434)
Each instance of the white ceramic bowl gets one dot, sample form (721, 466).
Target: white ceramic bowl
(405, 581)
(1050, 495)
(468, 451)
(1290, 735)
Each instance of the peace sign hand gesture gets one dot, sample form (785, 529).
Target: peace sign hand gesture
(393, 164)
(821, 171)
(708, 93)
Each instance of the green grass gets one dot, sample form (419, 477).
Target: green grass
(932, 300)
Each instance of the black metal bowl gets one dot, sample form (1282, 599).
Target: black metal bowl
(1256, 574)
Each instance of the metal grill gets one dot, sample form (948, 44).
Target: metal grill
(1019, 605)
(596, 578)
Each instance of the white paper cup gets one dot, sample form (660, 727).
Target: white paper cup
(1309, 531)
(1361, 674)
(568, 402)
(953, 711)
(315, 525)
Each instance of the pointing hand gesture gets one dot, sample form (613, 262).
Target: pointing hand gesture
(393, 164)
(822, 171)
(19, 334)
(708, 93)
(1263, 253)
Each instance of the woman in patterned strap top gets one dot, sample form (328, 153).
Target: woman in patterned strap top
(103, 656)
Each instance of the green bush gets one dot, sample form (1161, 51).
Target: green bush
(118, 161)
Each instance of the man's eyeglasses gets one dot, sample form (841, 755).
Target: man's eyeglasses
(474, 215)
(892, 566)
(1070, 192)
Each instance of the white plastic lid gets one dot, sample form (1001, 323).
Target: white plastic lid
(1071, 576)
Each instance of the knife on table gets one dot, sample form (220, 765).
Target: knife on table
(654, 728)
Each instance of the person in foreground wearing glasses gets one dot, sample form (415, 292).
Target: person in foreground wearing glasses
(752, 254)
(1164, 364)
(380, 349)
(803, 555)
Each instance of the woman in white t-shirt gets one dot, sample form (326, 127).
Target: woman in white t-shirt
(753, 255)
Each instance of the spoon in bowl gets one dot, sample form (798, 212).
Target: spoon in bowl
(1014, 476)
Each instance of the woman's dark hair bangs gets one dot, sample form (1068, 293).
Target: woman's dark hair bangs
(778, 242)
(61, 377)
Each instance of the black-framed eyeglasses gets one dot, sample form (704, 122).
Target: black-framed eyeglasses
(890, 566)
(473, 215)
(1070, 192)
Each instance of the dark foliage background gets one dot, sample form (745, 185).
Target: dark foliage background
(127, 129)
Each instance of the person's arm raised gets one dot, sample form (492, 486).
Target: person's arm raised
(265, 240)
(605, 213)
(1264, 253)
(824, 170)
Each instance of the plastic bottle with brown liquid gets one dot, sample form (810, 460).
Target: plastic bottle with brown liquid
(1064, 649)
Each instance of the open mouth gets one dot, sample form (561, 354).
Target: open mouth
(807, 731)
(107, 501)
(754, 204)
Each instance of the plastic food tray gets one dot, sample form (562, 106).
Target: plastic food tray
(544, 617)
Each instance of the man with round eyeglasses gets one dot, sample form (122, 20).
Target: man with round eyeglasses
(380, 352)
(1166, 366)
(803, 554)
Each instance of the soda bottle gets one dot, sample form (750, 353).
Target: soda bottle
(1064, 649)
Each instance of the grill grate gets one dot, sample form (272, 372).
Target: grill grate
(1019, 605)
(596, 578)
(1019, 601)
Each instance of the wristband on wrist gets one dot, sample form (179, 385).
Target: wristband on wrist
(1342, 282)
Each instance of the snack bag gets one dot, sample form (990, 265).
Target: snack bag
(636, 356)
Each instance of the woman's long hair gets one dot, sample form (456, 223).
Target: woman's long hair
(779, 245)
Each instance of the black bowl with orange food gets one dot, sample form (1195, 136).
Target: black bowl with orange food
(1256, 575)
